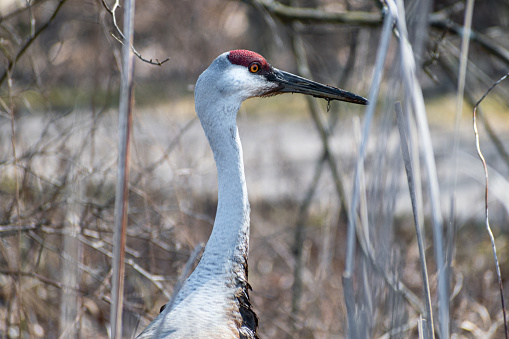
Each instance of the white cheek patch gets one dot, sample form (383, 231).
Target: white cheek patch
(246, 84)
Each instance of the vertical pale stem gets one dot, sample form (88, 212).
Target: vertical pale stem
(413, 90)
(352, 215)
(121, 197)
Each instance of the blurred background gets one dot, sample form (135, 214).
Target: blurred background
(59, 85)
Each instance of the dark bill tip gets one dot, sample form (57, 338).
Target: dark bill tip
(291, 83)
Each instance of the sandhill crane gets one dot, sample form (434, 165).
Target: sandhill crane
(214, 300)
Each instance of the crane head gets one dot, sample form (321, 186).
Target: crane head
(239, 75)
(260, 79)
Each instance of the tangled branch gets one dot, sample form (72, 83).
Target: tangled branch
(29, 42)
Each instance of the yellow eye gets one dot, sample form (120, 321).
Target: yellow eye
(254, 67)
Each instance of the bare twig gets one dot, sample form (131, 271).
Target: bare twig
(154, 279)
(444, 23)
(29, 42)
(486, 195)
(322, 16)
(122, 38)
(43, 279)
(451, 71)
(65, 256)
(401, 330)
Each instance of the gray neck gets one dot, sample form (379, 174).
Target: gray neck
(227, 249)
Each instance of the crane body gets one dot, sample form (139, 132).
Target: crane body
(214, 300)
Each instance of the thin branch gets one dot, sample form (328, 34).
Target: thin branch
(29, 42)
(58, 251)
(43, 279)
(443, 23)
(312, 15)
(451, 71)
(154, 279)
(122, 38)
(486, 195)
(401, 330)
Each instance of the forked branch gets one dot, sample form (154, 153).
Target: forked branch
(121, 39)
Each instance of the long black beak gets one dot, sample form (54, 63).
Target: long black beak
(291, 83)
